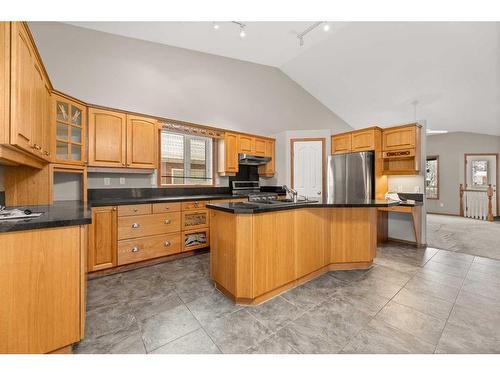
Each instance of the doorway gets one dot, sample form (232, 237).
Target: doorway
(308, 163)
(480, 171)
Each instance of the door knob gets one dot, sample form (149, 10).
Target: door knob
(135, 225)
(135, 249)
(319, 193)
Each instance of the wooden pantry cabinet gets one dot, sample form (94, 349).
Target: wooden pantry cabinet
(120, 140)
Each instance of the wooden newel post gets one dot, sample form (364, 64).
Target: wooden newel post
(490, 204)
(461, 200)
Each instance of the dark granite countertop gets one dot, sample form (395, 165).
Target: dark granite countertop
(59, 214)
(255, 208)
(416, 203)
(179, 198)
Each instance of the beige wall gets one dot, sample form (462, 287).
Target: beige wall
(176, 83)
(451, 148)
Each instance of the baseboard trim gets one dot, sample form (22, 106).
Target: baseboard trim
(442, 213)
(406, 242)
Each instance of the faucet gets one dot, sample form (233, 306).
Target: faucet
(293, 193)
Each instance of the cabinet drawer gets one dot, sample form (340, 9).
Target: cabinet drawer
(194, 219)
(194, 205)
(195, 239)
(134, 209)
(130, 251)
(159, 208)
(148, 225)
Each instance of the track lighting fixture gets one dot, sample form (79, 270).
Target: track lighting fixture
(300, 36)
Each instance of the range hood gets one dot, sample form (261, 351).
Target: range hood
(247, 159)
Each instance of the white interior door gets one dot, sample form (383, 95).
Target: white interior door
(308, 168)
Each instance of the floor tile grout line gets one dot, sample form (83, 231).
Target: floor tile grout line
(203, 328)
(452, 308)
(374, 316)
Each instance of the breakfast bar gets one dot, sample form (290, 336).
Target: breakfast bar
(261, 250)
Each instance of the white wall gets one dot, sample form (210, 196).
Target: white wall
(176, 83)
(451, 148)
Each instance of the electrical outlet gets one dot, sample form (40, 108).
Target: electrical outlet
(441, 204)
(417, 189)
(107, 181)
(122, 180)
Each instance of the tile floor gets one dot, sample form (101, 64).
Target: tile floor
(410, 301)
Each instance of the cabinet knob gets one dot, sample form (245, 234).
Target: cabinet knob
(135, 249)
(196, 204)
(135, 225)
(167, 243)
(135, 210)
(114, 208)
(168, 221)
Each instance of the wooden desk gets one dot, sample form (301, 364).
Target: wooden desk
(383, 221)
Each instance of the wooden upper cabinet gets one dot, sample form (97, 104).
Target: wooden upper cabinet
(102, 239)
(68, 128)
(363, 140)
(260, 146)
(142, 139)
(341, 143)
(228, 154)
(246, 144)
(268, 169)
(107, 138)
(22, 88)
(400, 137)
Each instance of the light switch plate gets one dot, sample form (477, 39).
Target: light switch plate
(122, 180)
(107, 181)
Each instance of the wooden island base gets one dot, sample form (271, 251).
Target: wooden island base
(255, 257)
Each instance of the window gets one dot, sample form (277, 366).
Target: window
(432, 177)
(185, 159)
(480, 173)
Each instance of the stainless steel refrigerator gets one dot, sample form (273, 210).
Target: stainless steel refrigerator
(351, 177)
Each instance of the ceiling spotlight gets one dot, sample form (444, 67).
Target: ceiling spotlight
(242, 32)
(216, 26)
(326, 27)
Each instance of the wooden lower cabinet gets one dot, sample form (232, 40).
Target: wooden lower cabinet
(255, 257)
(42, 289)
(102, 239)
(134, 233)
(139, 249)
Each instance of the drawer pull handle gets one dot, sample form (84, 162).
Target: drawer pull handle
(135, 249)
(168, 221)
(167, 243)
(135, 225)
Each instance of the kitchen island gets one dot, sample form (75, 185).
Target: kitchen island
(261, 250)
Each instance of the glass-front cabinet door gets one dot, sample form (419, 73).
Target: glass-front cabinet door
(69, 122)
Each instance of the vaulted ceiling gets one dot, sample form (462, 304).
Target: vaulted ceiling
(366, 72)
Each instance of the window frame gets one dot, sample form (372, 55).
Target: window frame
(433, 157)
(214, 158)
